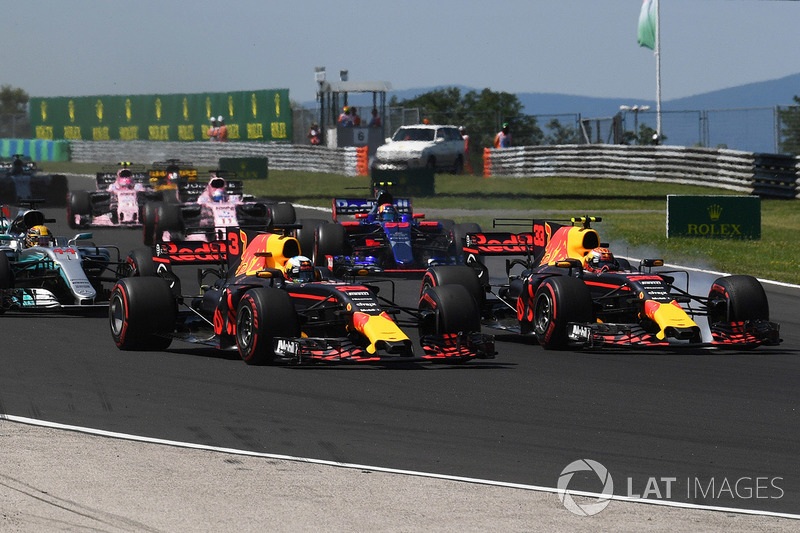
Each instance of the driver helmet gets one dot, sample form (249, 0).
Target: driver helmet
(38, 236)
(300, 269)
(125, 178)
(387, 213)
(599, 259)
(216, 189)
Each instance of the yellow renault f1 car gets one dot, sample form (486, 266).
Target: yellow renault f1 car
(573, 292)
(272, 304)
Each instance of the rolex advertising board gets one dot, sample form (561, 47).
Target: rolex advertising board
(726, 217)
(263, 115)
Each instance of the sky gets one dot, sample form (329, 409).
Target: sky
(577, 47)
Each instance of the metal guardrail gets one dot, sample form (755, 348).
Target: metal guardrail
(281, 156)
(761, 174)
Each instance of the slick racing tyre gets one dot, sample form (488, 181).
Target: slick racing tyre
(450, 309)
(168, 219)
(305, 234)
(78, 203)
(454, 275)
(148, 217)
(283, 213)
(330, 239)
(140, 263)
(262, 315)
(736, 299)
(142, 313)
(57, 191)
(558, 301)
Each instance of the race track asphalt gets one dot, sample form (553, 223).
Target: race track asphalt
(714, 429)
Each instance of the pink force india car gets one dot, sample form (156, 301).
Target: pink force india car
(120, 196)
(207, 209)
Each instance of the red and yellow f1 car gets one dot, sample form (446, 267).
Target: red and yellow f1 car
(573, 292)
(255, 305)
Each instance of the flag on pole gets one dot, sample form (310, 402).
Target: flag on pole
(647, 24)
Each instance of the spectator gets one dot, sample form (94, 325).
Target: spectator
(503, 137)
(356, 118)
(314, 134)
(222, 130)
(375, 121)
(346, 119)
(213, 131)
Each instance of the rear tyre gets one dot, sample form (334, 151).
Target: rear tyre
(451, 310)
(735, 299)
(558, 301)
(168, 218)
(283, 213)
(57, 191)
(305, 234)
(142, 313)
(262, 315)
(78, 203)
(149, 222)
(330, 239)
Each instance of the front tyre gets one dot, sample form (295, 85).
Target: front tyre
(262, 315)
(142, 313)
(450, 309)
(736, 299)
(558, 301)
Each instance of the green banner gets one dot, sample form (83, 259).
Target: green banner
(263, 115)
(737, 217)
(246, 167)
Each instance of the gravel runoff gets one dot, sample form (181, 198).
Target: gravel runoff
(60, 480)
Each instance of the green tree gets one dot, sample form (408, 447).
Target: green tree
(13, 101)
(561, 134)
(790, 128)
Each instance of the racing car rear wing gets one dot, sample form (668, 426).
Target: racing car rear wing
(108, 175)
(356, 206)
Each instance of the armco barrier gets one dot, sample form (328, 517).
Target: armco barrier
(36, 149)
(281, 156)
(724, 169)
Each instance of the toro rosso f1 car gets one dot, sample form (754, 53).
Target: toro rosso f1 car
(269, 312)
(385, 237)
(572, 292)
(41, 271)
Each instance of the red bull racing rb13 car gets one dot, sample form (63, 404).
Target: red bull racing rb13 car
(573, 292)
(272, 304)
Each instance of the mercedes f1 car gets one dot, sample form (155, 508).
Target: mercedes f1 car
(385, 237)
(119, 199)
(572, 292)
(21, 181)
(268, 312)
(40, 271)
(208, 209)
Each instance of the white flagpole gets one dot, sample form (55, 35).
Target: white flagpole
(658, 70)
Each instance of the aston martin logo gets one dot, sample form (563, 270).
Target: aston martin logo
(254, 104)
(71, 110)
(98, 107)
(277, 105)
(44, 111)
(714, 211)
(158, 108)
(185, 109)
(128, 109)
(230, 105)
